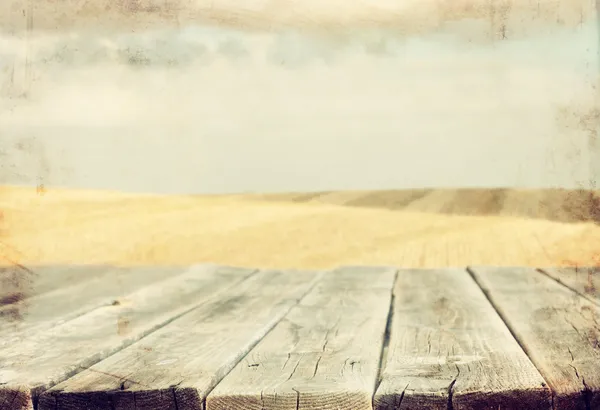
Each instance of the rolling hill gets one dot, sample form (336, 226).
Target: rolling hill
(416, 228)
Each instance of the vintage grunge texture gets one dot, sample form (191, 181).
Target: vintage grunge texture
(211, 96)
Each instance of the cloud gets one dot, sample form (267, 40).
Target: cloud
(215, 109)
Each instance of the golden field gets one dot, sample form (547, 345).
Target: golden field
(417, 228)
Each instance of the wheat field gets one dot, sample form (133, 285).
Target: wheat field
(417, 228)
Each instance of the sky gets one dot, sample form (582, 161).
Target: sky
(201, 108)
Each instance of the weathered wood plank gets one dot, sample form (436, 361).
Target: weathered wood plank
(35, 364)
(559, 329)
(583, 280)
(19, 283)
(36, 280)
(325, 354)
(102, 286)
(176, 366)
(448, 348)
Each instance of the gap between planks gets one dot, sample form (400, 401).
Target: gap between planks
(91, 337)
(211, 340)
(386, 338)
(556, 326)
(589, 288)
(450, 350)
(325, 354)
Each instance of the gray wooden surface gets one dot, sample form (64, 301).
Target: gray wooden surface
(36, 280)
(101, 337)
(61, 294)
(448, 347)
(558, 328)
(178, 365)
(32, 365)
(583, 280)
(324, 355)
(18, 284)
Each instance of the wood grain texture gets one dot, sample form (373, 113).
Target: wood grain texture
(80, 291)
(324, 355)
(31, 366)
(448, 348)
(37, 280)
(19, 283)
(583, 280)
(559, 329)
(177, 366)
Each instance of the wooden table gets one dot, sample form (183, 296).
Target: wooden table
(216, 337)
